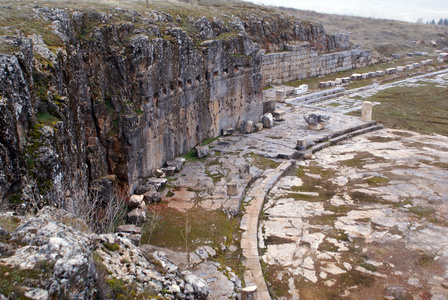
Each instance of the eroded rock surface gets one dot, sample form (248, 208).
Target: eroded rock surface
(364, 218)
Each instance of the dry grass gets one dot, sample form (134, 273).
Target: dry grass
(383, 36)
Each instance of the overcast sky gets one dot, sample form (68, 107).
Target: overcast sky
(405, 10)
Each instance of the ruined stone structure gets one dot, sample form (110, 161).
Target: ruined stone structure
(304, 61)
(116, 96)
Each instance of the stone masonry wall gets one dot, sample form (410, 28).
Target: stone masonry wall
(305, 61)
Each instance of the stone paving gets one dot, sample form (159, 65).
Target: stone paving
(367, 217)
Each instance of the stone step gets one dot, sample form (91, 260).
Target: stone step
(340, 136)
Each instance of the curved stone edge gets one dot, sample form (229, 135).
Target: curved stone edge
(249, 224)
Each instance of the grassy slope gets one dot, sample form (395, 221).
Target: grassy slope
(383, 36)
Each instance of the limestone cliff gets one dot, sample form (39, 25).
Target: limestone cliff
(103, 99)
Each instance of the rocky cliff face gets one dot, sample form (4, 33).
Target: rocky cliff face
(120, 93)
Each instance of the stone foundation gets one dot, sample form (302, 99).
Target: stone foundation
(305, 61)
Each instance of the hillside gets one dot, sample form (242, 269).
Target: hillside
(385, 37)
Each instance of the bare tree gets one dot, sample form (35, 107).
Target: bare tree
(152, 221)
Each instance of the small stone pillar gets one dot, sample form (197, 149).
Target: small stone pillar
(249, 293)
(232, 188)
(301, 144)
(366, 113)
(280, 95)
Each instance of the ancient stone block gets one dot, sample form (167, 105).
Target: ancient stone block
(267, 120)
(158, 183)
(152, 197)
(301, 144)
(232, 188)
(346, 80)
(390, 71)
(279, 115)
(227, 131)
(268, 106)
(401, 68)
(244, 170)
(379, 73)
(178, 163)
(247, 127)
(409, 67)
(280, 95)
(416, 65)
(129, 229)
(202, 151)
(169, 171)
(249, 293)
(135, 201)
(136, 216)
(145, 187)
(258, 126)
(366, 112)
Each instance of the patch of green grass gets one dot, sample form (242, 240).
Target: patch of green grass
(422, 108)
(9, 223)
(267, 87)
(206, 142)
(261, 162)
(377, 180)
(421, 211)
(13, 279)
(275, 137)
(364, 197)
(111, 247)
(47, 118)
(368, 267)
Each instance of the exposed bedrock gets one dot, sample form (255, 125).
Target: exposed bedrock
(112, 100)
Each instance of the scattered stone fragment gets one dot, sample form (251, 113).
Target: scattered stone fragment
(144, 188)
(169, 171)
(301, 144)
(129, 229)
(267, 120)
(244, 170)
(152, 197)
(202, 151)
(36, 294)
(280, 95)
(390, 71)
(247, 127)
(268, 106)
(159, 173)
(227, 131)
(158, 183)
(279, 115)
(135, 201)
(258, 126)
(178, 163)
(137, 216)
(232, 188)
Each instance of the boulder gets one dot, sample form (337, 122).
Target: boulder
(199, 285)
(158, 183)
(267, 120)
(227, 131)
(178, 163)
(137, 216)
(169, 171)
(135, 201)
(244, 170)
(268, 106)
(144, 188)
(258, 126)
(202, 151)
(152, 197)
(279, 115)
(247, 127)
(129, 229)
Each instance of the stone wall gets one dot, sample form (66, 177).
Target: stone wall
(304, 61)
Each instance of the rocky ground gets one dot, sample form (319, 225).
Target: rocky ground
(364, 219)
